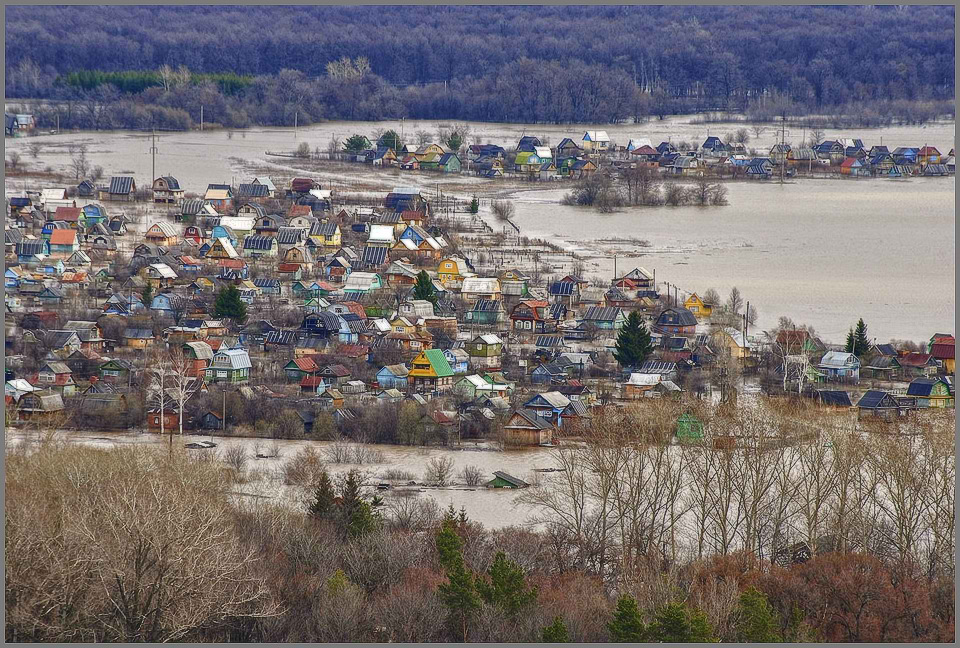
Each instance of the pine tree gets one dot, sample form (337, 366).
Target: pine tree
(507, 588)
(459, 593)
(229, 304)
(147, 295)
(758, 622)
(860, 340)
(323, 506)
(424, 289)
(633, 342)
(676, 623)
(474, 205)
(848, 347)
(556, 632)
(627, 623)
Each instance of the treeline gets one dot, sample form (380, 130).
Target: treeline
(483, 63)
(192, 560)
(134, 81)
(643, 186)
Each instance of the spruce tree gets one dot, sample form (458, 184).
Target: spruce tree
(556, 632)
(860, 340)
(676, 623)
(147, 295)
(633, 342)
(848, 347)
(474, 205)
(758, 622)
(459, 593)
(229, 304)
(507, 588)
(324, 506)
(424, 289)
(627, 623)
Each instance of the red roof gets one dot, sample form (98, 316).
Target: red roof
(339, 370)
(915, 359)
(849, 162)
(299, 210)
(352, 350)
(288, 267)
(312, 381)
(232, 263)
(928, 150)
(944, 350)
(306, 363)
(63, 237)
(355, 307)
(646, 149)
(411, 214)
(69, 214)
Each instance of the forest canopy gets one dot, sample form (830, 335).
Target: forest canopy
(490, 63)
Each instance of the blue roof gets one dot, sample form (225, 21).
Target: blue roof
(561, 288)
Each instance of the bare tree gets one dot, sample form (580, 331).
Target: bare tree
(471, 475)
(34, 149)
(735, 300)
(13, 159)
(503, 209)
(742, 136)
(171, 383)
(439, 471)
(758, 130)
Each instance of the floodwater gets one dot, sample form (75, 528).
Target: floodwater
(822, 252)
(494, 508)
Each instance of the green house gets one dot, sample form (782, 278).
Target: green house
(689, 429)
(503, 480)
(450, 163)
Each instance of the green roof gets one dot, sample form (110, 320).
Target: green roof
(524, 157)
(438, 362)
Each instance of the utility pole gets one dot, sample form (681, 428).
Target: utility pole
(201, 118)
(296, 119)
(153, 152)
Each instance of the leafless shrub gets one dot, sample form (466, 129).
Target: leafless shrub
(471, 475)
(439, 471)
(235, 457)
(396, 474)
(303, 469)
(363, 454)
(413, 512)
(338, 452)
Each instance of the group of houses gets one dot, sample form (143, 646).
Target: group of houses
(380, 305)
(570, 158)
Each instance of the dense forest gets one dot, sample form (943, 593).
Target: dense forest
(261, 65)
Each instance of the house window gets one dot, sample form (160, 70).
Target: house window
(156, 420)
(221, 374)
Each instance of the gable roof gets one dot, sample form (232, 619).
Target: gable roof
(439, 362)
(121, 185)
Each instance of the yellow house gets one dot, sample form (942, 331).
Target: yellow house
(431, 372)
(428, 150)
(452, 271)
(732, 344)
(327, 235)
(697, 306)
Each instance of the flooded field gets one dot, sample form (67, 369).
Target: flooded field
(823, 252)
(493, 507)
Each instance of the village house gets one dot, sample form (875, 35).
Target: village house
(162, 234)
(698, 307)
(840, 367)
(122, 189)
(485, 351)
(526, 428)
(430, 372)
(229, 365)
(931, 392)
(166, 189)
(677, 321)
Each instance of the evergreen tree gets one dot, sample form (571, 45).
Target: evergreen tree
(556, 632)
(507, 588)
(356, 516)
(627, 624)
(424, 289)
(474, 205)
(848, 347)
(324, 506)
(676, 623)
(633, 342)
(459, 593)
(229, 304)
(860, 340)
(758, 622)
(390, 139)
(147, 295)
(454, 142)
(356, 144)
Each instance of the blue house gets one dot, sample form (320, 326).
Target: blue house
(326, 325)
(167, 303)
(49, 267)
(548, 405)
(548, 374)
(836, 365)
(267, 285)
(222, 231)
(28, 249)
(11, 278)
(93, 214)
(459, 362)
(393, 377)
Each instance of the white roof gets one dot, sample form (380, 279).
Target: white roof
(490, 338)
(406, 190)
(639, 142)
(322, 194)
(165, 271)
(265, 181)
(543, 152)
(380, 324)
(381, 234)
(18, 385)
(239, 223)
(359, 281)
(53, 194)
(480, 285)
(234, 358)
(643, 380)
(165, 228)
(596, 136)
(228, 247)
